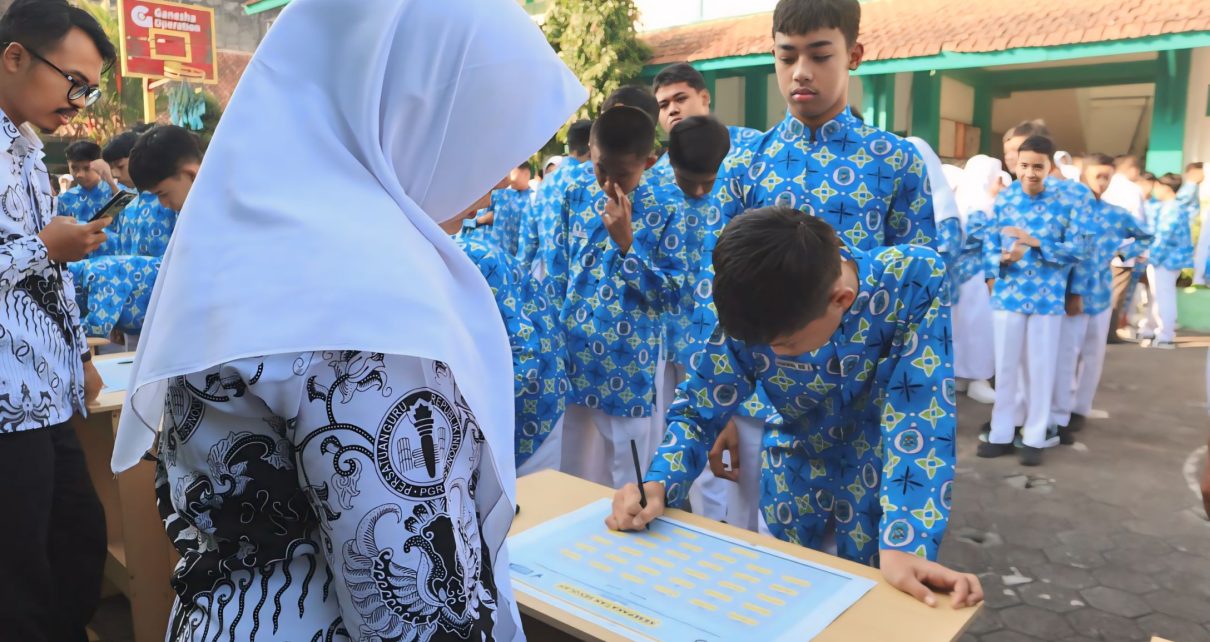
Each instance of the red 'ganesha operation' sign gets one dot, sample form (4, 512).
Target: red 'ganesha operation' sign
(168, 40)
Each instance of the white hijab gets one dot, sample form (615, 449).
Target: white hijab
(944, 205)
(313, 224)
(974, 188)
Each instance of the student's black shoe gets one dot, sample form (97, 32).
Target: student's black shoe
(1077, 422)
(1031, 456)
(985, 433)
(1067, 436)
(989, 450)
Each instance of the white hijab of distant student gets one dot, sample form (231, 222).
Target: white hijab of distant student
(974, 189)
(944, 205)
(385, 119)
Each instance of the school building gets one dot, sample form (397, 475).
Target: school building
(1112, 76)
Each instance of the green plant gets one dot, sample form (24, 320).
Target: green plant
(597, 40)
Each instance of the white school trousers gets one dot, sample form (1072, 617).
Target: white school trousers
(1072, 332)
(1025, 345)
(974, 356)
(1161, 317)
(1092, 362)
(596, 446)
(743, 505)
(708, 494)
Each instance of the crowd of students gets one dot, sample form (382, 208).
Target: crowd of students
(778, 322)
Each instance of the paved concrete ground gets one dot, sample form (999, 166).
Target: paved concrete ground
(1105, 541)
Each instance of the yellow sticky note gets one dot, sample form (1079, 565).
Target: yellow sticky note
(741, 618)
(775, 601)
(703, 604)
(760, 610)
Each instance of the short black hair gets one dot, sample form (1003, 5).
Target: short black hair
(159, 154)
(624, 131)
(1096, 159)
(1028, 128)
(698, 144)
(774, 269)
(1039, 145)
(1175, 181)
(82, 151)
(526, 166)
(798, 17)
(578, 135)
(635, 96)
(119, 147)
(678, 73)
(1147, 176)
(41, 25)
(1193, 166)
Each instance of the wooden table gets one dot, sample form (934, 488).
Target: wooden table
(883, 614)
(140, 557)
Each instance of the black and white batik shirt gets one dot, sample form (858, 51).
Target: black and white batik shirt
(41, 342)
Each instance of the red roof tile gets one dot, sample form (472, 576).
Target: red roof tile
(910, 28)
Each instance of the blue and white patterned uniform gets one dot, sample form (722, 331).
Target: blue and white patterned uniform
(114, 292)
(611, 304)
(1037, 284)
(539, 376)
(1169, 222)
(146, 226)
(83, 204)
(536, 229)
(1110, 230)
(868, 424)
(511, 207)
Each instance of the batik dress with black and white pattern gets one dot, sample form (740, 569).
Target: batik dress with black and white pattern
(325, 496)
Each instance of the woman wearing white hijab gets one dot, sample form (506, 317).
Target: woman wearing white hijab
(974, 360)
(336, 458)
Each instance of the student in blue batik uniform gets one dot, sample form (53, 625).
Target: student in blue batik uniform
(852, 347)
(165, 162)
(536, 227)
(680, 91)
(1036, 239)
(539, 375)
(869, 184)
(1169, 215)
(510, 206)
(92, 191)
(113, 293)
(1112, 231)
(620, 265)
(697, 146)
(145, 226)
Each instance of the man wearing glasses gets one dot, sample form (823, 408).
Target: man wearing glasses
(52, 544)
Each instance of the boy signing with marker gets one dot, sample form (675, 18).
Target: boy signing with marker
(852, 347)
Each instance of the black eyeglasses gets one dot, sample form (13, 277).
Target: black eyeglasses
(79, 89)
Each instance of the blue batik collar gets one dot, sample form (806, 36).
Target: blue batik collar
(832, 131)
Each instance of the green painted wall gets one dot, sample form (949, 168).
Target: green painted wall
(926, 107)
(1165, 150)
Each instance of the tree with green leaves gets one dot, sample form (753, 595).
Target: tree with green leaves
(597, 40)
(120, 101)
